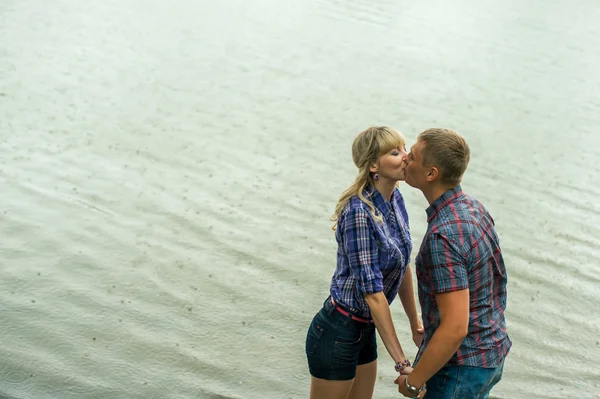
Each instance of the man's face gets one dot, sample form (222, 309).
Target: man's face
(415, 173)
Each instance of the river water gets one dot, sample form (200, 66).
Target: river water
(168, 170)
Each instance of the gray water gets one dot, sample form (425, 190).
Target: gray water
(168, 170)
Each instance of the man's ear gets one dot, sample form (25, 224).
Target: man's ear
(433, 174)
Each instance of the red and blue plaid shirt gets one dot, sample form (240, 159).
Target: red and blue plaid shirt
(461, 251)
(371, 256)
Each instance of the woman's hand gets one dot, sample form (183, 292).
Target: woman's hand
(417, 335)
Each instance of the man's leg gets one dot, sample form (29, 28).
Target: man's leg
(495, 379)
(443, 384)
(476, 382)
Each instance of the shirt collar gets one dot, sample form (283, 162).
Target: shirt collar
(442, 201)
(379, 201)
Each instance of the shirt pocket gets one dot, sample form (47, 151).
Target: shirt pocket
(347, 344)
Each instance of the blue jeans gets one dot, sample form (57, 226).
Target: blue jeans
(463, 382)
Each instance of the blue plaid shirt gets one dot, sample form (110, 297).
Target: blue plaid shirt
(371, 256)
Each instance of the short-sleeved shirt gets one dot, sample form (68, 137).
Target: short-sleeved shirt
(461, 251)
(372, 256)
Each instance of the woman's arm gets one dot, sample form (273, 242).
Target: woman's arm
(407, 297)
(361, 248)
(382, 317)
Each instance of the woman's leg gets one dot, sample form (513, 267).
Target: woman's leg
(364, 382)
(333, 344)
(327, 389)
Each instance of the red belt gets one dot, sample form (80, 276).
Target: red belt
(342, 311)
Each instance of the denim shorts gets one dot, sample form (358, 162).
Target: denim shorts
(463, 382)
(336, 344)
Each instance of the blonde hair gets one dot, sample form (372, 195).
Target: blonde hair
(367, 147)
(447, 150)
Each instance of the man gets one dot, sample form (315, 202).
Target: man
(461, 279)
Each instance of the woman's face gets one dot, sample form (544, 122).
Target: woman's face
(391, 165)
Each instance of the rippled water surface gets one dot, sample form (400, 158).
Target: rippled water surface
(168, 170)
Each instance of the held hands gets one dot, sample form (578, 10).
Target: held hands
(401, 382)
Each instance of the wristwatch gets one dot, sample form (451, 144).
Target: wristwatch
(411, 388)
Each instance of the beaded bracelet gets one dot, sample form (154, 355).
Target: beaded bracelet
(400, 366)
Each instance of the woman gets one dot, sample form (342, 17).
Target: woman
(374, 246)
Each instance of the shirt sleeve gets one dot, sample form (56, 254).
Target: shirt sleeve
(446, 266)
(360, 245)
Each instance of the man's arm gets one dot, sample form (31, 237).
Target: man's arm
(454, 325)
(449, 278)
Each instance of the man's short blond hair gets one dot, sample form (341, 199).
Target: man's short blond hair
(448, 151)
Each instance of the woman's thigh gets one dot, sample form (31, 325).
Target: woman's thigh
(364, 382)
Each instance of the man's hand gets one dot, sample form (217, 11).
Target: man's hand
(417, 335)
(401, 382)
